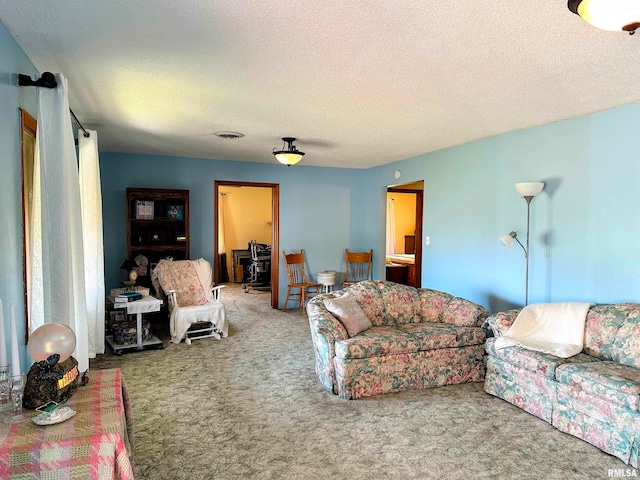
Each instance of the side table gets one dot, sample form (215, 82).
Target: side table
(139, 307)
(96, 443)
(327, 279)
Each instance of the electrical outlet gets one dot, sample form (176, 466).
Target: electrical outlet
(427, 240)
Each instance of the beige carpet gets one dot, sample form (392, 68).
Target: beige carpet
(250, 407)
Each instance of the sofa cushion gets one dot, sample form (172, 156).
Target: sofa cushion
(401, 304)
(369, 298)
(433, 336)
(626, 346)
(597, 407)
(617, 383)
(538, 362)
(601, 328)
(377, 341)
(349, 313)
(432, 304)
(464, 313)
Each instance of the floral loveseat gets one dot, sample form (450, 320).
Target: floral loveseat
(418, 338)
(592, 395)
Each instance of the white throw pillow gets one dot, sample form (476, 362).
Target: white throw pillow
(349, 313)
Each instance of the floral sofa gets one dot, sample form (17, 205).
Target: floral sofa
(593, 395)
(419, 338)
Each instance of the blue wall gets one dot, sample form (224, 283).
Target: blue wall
(585, 227)
(12, 61)
(321, 209)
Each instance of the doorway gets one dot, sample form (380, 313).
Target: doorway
(272, 225)
(404, 233)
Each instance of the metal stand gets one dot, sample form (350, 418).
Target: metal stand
(151, 342)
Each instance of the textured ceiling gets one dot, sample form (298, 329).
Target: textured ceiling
(359, 83)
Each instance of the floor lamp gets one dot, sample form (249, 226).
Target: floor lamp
(527, 190)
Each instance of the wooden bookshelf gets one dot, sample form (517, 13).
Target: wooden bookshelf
(159, 227)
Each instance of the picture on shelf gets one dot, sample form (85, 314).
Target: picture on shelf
(144, 210)
(175, 212)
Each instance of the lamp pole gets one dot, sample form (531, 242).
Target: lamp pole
(527, 190)
(528, 199)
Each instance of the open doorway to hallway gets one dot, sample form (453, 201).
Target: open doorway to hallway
(404, 233)
(246, 212)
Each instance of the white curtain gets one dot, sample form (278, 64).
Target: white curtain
(222, 248)
(91, 203)
(391, 227)
(57, 258)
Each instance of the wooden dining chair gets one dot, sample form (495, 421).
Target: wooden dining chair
(358, 266)
(294, 263)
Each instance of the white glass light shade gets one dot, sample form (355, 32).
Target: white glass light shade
(289, 154)
(288, 158)
(506, 240)
(529, 189)
(611, 15)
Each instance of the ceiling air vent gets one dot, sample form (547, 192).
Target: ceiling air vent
(229, 135)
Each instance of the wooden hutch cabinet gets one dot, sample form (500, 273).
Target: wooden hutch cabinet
(157, 225)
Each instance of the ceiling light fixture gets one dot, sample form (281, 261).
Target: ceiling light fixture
(614, 15)
(289, 155)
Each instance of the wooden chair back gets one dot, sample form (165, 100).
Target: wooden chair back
(358, 266)
(294, 263)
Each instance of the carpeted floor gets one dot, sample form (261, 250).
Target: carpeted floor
(250, 407)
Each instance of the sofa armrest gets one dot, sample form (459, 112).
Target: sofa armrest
(464, 313)
(499, 323)
(323, 322)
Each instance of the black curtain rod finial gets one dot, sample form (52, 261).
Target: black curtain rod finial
(47, 80)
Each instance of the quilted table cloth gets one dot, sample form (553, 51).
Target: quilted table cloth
(96, 443)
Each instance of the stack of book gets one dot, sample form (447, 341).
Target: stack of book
(127, 297)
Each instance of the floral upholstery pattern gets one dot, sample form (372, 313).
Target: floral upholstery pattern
(602, 325)
(404, 349)
(431, 336)
(522, 397)
(377, 341)
(401, 303)
(594, 395)
(626, 346)
(369, 298)
(602, 435)
(409, 371)
(323, 322)
(598, 407)
(538, 362)
(500, 322)
(464, 313)
(324, 351)
(433, 303)
(535, 383)
(616, 383)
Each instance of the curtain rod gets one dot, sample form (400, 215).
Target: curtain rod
(48, 80)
